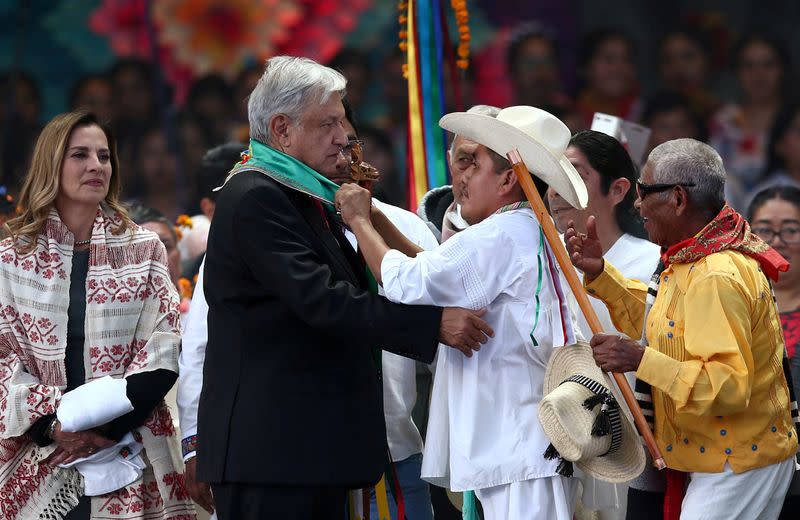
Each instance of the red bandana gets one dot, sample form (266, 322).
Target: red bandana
(728, 230)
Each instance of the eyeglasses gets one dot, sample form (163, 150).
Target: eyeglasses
(643, 190)
(346, 149)
(789, 235)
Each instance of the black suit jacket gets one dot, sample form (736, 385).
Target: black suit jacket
(290, 389)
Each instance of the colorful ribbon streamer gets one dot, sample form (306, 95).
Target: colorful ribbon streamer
(427, 53)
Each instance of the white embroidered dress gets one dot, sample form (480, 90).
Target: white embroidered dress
(483, 428)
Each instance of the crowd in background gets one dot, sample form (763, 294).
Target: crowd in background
(753, 123)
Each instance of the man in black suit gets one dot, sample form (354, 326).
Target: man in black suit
(290, 412)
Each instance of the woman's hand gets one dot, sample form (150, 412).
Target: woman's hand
(354, 203)
(585, 251)
(77, 445)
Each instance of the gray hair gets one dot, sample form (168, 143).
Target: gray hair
(690, 161)
(484, 110)
(288, 86)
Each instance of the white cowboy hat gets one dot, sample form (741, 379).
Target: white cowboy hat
(581, 414)
(540, 137)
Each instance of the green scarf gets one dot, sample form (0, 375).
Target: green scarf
(286, 170)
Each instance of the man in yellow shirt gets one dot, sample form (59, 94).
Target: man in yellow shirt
(712, 347)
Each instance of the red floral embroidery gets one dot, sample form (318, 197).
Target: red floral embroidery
(18, 487)
(104, 359)
(39, 263)
(160, 421)
(40, 401)
(133, 499)
(177, 485)
(37, 330)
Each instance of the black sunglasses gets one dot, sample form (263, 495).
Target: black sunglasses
(643, 189)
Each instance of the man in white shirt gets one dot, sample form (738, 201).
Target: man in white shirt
(483, 432)
(215, 166)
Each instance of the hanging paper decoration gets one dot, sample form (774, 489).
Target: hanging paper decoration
(424, 38)
(462, 18)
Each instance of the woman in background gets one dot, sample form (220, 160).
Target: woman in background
(774, 215)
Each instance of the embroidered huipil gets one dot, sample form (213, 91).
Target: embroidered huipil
(131, 327)
(483, 428)
(713, 360)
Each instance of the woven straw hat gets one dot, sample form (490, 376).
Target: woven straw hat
(576, 393)
(540, 137)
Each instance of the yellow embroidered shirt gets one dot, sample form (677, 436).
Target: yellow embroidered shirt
(714, 361)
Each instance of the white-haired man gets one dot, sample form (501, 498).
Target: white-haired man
(484, 433)
(290, 412)
(712, 348)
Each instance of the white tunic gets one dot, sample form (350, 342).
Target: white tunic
(483, 429)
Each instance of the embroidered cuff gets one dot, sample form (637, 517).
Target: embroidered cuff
(189, 445)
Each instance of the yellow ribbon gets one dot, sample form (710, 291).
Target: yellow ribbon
(415, 112)
(382, 500)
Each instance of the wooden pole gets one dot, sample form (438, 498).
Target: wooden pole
(526, 181)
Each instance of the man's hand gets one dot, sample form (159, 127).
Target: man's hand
(199, 491)
(354, 203)
(615, 353)
(463, 329)
(585, 251)
(77, 445)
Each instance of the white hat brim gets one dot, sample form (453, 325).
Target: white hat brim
(502, 137)
(629, 460)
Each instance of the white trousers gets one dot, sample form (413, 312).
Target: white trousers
(758, 493)
(552, 498)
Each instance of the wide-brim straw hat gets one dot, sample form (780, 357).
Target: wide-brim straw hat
(569, 411)
(540, 137)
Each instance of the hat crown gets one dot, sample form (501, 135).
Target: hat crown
(567, 401)
(543, 127)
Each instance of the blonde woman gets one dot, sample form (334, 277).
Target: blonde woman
(88, 343)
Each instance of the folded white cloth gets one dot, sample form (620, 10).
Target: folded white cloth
(111, 468)
(94, 404)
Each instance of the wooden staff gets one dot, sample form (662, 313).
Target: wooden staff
(526, 181)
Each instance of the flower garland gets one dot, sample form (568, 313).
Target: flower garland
(183, 222)
(402, 7)
(464, 37)
(186, 288)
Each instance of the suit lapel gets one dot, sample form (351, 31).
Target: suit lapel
(318, 224)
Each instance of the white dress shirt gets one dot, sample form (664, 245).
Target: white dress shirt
(488, 401)
(190, 362)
